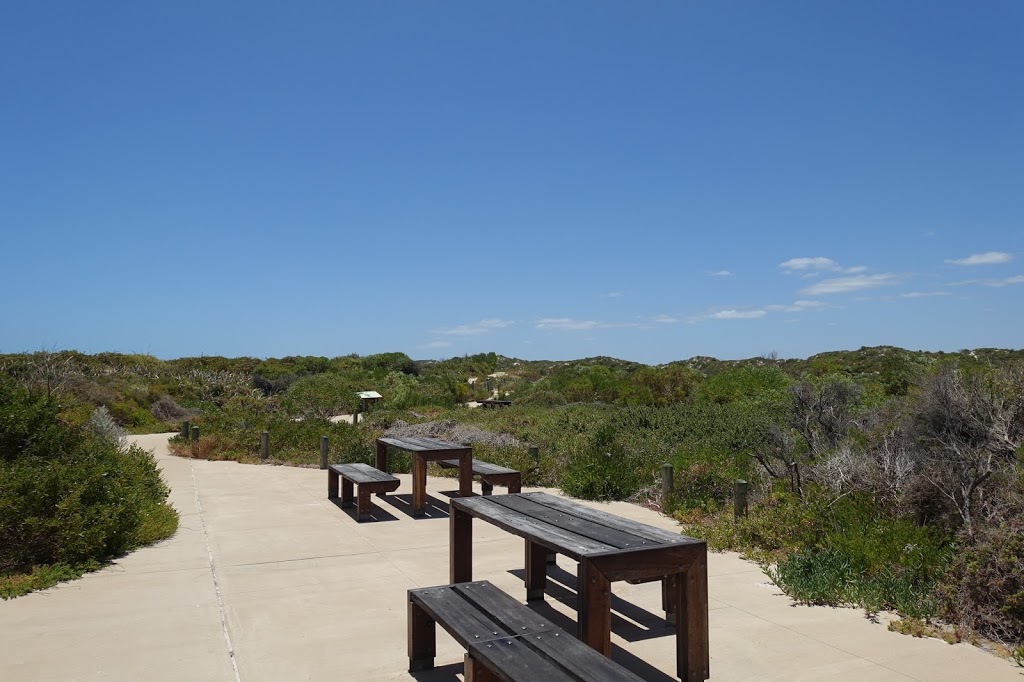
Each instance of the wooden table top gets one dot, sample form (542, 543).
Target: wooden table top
(568, 527)
(422, 444)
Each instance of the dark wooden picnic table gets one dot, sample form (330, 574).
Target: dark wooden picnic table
(424, 450)
(608, 548)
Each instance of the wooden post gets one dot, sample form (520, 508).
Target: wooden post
(739, 497)
(666, 481)
(355, 418)
(324, 448)
(264, 445)
(535, 456)
(194, 438)
(186, 430)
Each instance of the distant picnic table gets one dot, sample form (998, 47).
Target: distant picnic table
(423, 451)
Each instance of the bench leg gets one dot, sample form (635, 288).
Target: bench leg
(422, 639)
(475, 671)
(536, 571)
(419, 485)
(363, 511)
(346, 493)
(332, 484)
(485, 487)
(460, 546)
(516, 485)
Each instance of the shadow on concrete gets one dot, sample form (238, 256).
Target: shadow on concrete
(629, 621)
(434, 509)
(376, 513)
(442, 673)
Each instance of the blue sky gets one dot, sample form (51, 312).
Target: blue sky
(650, 181)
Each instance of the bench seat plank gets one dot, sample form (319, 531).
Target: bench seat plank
(480, 467)
(547, 656)
(360, 473)
(511, 641)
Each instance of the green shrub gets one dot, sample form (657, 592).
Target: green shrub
(70, 496)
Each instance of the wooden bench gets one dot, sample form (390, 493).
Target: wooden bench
(490, 475)
(369, 480)
(504, 640)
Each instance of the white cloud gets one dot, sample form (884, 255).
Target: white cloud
(665, 319)
(812, 266)
(738, 314)
(1004, 282)
(481, 327)
(923, 294)
(818, 263)
(987, 258)
(720, 273)
(613, 294)
(844, 285)
(566, 324)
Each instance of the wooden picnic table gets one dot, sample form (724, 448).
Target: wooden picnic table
(608, 548)
(424, 450)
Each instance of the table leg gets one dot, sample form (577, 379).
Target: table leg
(419, 484)
(594, 608)
(692, 657)
(466, 474)
(460, 546)
(382, 460)
(536, 571)
(669, 596)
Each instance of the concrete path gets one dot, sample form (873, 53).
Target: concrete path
(267, 580)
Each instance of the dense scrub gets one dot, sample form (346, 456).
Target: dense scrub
(72, 495)
(882, 478)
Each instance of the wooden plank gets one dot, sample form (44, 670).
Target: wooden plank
(579, 659)
(421, 444)
(552, 537)
(517, 618)
(459, 617)
(511, 660)
(570, 522)
(652, 562)
(362, 473)
(610, 520)
(480, 467)
(692, 650)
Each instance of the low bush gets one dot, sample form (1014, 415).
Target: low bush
(70, 495)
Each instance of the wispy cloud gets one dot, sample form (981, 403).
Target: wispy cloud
(923, 294)
(1004, 282)
(613, 294)
(574, 325)
(738, 314)
(720, 273)
(987, 258)
(845, 285)
(797, 307)
(665, 319)
(481, 327)
(818, 264)
(566, 324)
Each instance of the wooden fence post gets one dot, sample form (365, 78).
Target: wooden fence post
(264, 445)
(324, 447)
(666, 481)
(739, 497)
(186, 430)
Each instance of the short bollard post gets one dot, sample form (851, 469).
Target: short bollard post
(186, 430)
(264, 445)
(666, 481)
(739, 497)
(195, 439)
(355, 417)
(535, 456)
(324, 446)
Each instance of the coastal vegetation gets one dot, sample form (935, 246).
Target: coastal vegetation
(880, 478)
